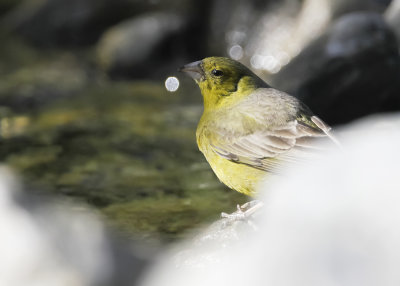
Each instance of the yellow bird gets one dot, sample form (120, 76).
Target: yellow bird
(249, 129)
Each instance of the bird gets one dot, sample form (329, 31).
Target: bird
(249, 130)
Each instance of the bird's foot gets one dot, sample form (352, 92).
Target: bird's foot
(243, 212)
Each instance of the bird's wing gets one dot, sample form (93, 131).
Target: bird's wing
(270, 148)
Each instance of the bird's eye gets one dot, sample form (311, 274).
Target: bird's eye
(217, 72)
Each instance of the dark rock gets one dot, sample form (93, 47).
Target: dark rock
(81, 22)
(68, 22)
(350, 71)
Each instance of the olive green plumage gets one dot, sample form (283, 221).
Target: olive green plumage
(249, 129)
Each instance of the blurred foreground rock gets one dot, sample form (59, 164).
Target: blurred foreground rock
(335, 222)
(351, 71)
(50, 242)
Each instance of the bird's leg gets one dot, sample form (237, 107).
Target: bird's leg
(243, 212)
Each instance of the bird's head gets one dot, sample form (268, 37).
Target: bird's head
(221, 78)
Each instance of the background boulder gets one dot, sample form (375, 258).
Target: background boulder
(350, 71)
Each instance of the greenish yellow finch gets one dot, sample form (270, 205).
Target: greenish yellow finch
(249, 129)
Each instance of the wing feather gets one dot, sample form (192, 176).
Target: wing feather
(286, 135)
(270, 150)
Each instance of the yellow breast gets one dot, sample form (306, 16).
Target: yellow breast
(238, 177)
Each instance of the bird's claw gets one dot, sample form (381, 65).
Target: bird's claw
(243, 212)
(236, 216)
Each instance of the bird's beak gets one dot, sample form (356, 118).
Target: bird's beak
(194, 70)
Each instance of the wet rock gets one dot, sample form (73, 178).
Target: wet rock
(44, 241)
(132, 47)
(349, 72)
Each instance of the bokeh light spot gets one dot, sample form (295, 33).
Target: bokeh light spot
(236, 52)
(172, 84)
